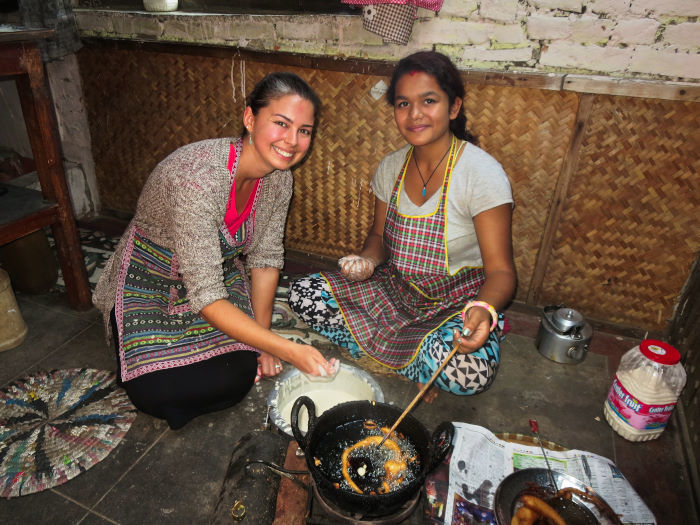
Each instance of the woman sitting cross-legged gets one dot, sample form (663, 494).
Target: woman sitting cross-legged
(437, 264)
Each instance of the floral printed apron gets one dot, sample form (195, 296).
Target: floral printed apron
(412, 295)
(156, 327)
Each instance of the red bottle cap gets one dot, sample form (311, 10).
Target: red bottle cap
(660, 352)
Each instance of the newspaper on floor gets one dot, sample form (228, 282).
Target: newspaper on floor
(480, 461)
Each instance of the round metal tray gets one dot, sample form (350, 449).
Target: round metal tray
(510, 489)
(350, 384)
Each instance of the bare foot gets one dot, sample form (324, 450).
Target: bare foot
(430, 395)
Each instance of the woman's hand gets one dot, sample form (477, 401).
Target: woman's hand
(493, 231)
(270, 365)
(361, 267)
(356, 268)
(477, 327)
(307, 359)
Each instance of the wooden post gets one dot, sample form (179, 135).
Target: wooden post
(23, 60)
(561, 190)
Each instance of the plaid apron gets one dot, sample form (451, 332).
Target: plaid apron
(412, 295)
(157, 329)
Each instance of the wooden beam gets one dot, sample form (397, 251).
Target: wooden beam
(549, 81)
(26, 35)
(330, 63)
(28, 224)
(568, 169)
(633, 88)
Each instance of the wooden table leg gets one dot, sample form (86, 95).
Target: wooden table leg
(37, 107)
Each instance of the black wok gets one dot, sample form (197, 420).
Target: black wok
(431, 451)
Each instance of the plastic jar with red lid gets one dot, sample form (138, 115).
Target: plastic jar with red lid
(645, 390)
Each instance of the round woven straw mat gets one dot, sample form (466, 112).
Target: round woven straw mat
(55, 425)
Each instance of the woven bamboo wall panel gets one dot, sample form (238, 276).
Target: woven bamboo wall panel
(144, 105)
(630, 230)
(528, 131)
(628, 233)
(333, 204)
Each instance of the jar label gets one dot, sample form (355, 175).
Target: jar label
(656, 349)
(635, 413)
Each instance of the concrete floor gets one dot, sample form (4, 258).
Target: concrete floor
(157, 475)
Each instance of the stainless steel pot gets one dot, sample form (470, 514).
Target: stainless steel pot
(564, 335)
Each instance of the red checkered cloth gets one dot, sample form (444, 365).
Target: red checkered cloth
(433, 5)
(411, 296)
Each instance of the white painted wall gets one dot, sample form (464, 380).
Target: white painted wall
(67, 93)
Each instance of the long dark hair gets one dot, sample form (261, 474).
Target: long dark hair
(445, 74)
(280, 84)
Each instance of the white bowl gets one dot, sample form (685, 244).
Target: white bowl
(350, 384)
(160, 5)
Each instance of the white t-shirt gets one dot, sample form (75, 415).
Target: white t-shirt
(478, 183)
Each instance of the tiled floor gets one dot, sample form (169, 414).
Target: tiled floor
(157, 475)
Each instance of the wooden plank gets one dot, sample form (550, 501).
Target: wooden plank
(16, 202)
(292, 499)
(24, 34)
(561, 189)
(10, 61)
(633, 88)
(28, 224)
(548, 81)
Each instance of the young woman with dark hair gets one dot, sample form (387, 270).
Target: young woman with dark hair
(191, 329)
(437, 264)
(448, 78)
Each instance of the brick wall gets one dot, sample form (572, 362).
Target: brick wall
(647, 39)
(630, 38)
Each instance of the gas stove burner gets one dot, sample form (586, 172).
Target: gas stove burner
(328, 511)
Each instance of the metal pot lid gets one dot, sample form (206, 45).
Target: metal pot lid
(567, 318)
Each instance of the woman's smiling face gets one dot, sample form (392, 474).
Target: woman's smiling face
(281, 131)
(422, 109)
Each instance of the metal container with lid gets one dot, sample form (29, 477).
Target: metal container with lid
(564, 335)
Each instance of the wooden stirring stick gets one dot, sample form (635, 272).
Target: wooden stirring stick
(419, 395)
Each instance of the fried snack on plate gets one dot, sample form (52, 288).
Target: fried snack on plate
(524, 516)
(542, 509)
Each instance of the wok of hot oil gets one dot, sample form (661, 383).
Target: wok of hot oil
(366, 465)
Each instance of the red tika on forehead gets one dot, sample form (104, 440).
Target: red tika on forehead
(412, 72)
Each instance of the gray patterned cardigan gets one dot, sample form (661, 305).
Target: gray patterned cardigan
(181, 207)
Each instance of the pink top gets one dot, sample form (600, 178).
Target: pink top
(233, 219)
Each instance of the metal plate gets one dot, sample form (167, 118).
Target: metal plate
(510, 489)
(350, 384)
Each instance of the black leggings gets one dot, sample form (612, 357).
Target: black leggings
(182, 393)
